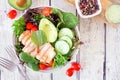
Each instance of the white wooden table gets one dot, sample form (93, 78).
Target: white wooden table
(99, 56)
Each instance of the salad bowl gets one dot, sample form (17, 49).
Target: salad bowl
(45, 40)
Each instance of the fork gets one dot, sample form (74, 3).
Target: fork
(9, 65)
(11, 52)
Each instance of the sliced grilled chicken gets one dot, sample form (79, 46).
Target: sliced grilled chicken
(23, 35)
(51, 55)
(29, 48)
(44, 53)
(43, 50)
(34, 52)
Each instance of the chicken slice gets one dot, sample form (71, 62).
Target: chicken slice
(24, 34)
(51, 55)
(28, 42)
(47, 53)
(27, 37)
(43, 50)
(34, 52)
(29, 48)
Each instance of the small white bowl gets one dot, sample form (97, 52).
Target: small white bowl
(77, 2)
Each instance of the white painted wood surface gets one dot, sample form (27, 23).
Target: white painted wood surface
(99, 56)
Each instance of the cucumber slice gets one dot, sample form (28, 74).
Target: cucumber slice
(67, 39)
(62, 47)
(66, 32)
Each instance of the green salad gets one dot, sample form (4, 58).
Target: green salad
(45, 37)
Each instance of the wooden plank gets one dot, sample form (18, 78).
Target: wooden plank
(6, 38)
(113, 53)
(61, 74)
(92, 51)
(37, 75)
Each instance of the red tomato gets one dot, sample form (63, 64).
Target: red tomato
(29, 25)
(34, 28)
(42, 66)
(46, 11)
(70, 71)
(76, 66)
(12, 14)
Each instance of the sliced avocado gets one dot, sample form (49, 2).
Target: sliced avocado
(13, 3)
(49, 29)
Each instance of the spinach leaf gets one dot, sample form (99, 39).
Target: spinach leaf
(19, 26)
(25, 57)
(33, 66)
(38, 38)
(70, 20)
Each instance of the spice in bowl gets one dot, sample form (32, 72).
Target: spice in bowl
(89, 7)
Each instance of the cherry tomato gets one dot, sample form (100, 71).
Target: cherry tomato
(76, 66)
(34, 28)
(46, 11)
(70, 71)
(12, 14)
(42, 66)
(29, 25)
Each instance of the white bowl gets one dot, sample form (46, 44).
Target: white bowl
(73, 56)
(88, 16)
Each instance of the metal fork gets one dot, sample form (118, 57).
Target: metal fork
(9, 65)
(11, 52)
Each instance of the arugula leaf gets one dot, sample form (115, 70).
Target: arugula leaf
(19, 26)
(70, 20)
(38, 38)
(59, 60)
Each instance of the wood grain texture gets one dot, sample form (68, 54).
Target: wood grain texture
(58, 75)
(113, 53)
(92, 51)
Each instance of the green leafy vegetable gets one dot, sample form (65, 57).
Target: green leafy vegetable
(38, 38)
(70, 20)
(19, 26)
(58, 12)
(18, 47)
(38, 17)
(59, 60)
(25, 57)
(33, 66)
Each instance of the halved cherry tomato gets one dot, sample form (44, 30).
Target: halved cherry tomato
(70, 71)
(34, 28)
(12, 14)
(76, 66)
(43, 66)
(46, 11)
(29, 25)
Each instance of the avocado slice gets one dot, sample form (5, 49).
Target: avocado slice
(13, 3)
(49, 28)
